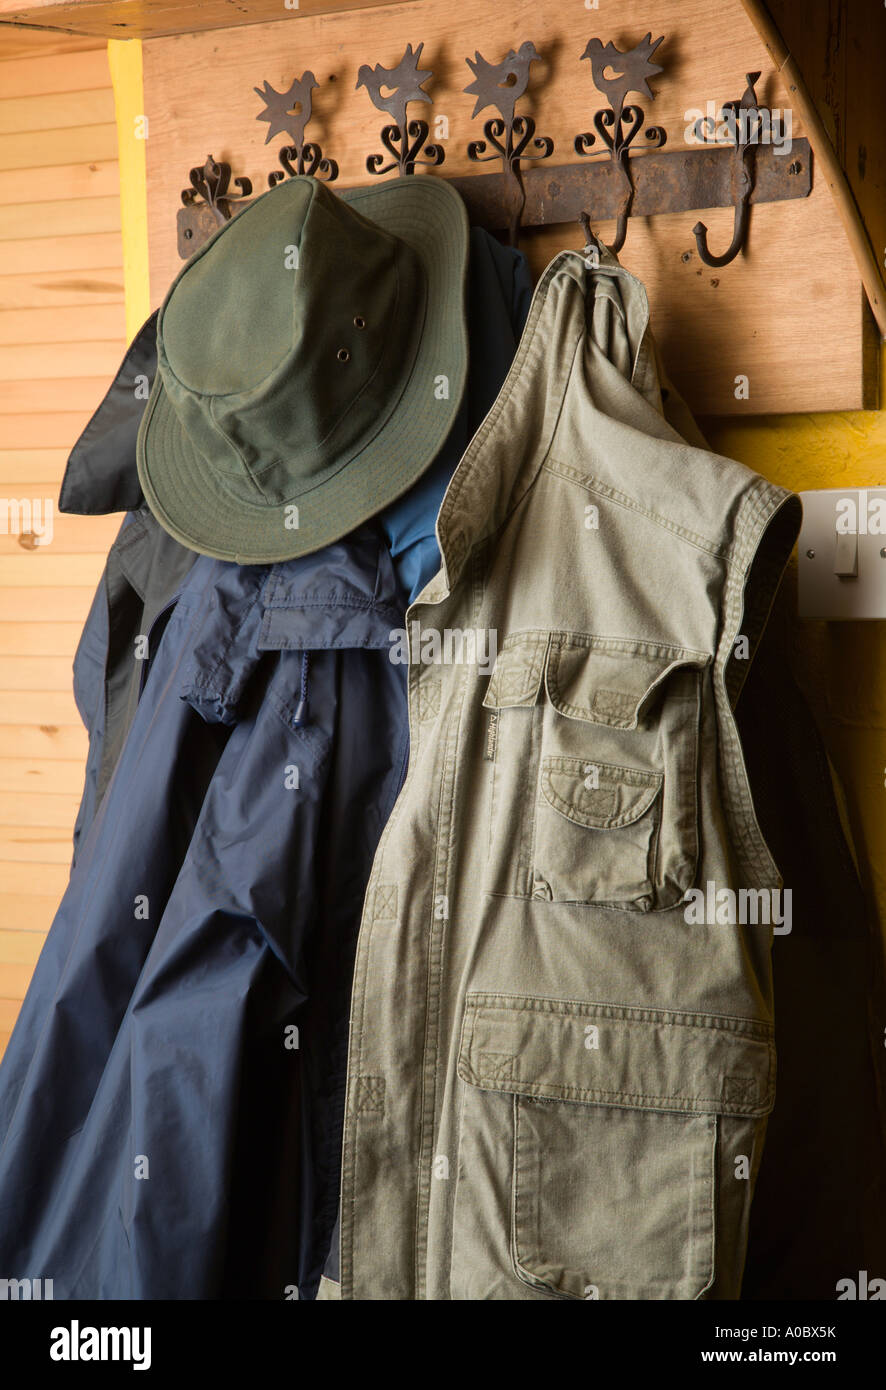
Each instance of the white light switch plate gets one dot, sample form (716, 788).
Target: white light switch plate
(844, 530)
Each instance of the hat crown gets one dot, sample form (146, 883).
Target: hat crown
(311, 363)
(286, 338)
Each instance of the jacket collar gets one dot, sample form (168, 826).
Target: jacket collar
(101, 474)
(602, 305)
(343, 596)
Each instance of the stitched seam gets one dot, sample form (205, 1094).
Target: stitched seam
(431, 1033)
(622, 499)
(630, 646)
(529, 341)
(370, 605)
(588, 819)
(626, 1013)
(625, 1099)
(568, 763)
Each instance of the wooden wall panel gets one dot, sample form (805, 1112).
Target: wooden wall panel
(788, 314)
(37, 44)
(61, 338)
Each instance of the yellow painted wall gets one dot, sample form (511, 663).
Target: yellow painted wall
(125, 63)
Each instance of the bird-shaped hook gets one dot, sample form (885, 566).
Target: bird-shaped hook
(289, 113)
(501, 85)
(405, 83)
(620, 124)
(631, 70)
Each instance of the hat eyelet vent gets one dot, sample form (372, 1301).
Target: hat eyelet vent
(343, 355)
(359, 321)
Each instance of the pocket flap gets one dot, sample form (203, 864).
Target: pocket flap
(601, 796)
(516, 676)
(605, 680)
(609, 680)
(616, 1054)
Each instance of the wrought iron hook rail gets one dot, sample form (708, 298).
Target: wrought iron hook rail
(528, 191)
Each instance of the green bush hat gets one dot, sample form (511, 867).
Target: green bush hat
(311, 360)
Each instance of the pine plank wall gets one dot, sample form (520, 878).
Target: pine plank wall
(62, 334)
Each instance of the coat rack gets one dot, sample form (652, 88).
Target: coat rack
(739, 171)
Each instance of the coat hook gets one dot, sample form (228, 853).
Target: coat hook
(289, 112)
(407, 79)
(744, 122)
(502, 85)
(211, 185)
(619, 125)
(590, 253)
(207, 205)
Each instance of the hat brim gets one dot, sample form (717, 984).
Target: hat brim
(189, 498)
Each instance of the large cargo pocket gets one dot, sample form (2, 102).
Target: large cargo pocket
(616, 1116)
(596, 753)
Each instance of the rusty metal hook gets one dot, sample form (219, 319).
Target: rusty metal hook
(620, 124)
(746, 120)
(740, 225)
(501, 85)
(406, 138)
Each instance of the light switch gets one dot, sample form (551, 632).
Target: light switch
(846, 557)
(842, 553)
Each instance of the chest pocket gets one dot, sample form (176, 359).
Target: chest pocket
(595, 779)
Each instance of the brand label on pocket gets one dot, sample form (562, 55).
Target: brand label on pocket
(491, 735)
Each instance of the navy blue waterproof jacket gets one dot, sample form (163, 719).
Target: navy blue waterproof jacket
(171, 1098)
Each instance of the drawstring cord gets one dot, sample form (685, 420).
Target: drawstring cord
(301, 712)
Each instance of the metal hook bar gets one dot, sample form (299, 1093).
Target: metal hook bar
(728, 173)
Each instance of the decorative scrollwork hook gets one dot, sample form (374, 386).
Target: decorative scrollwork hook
(502, 85)
(211, 184)
(405, 139)
(289, 112)
(619, 125)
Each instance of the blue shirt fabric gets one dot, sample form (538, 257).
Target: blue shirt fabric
(499, 295)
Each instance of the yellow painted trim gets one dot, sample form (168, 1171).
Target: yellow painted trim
(125, 62)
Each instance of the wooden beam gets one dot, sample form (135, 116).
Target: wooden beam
(829, 165)
(132, 19)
